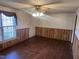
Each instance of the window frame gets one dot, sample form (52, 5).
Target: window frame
(1, 27)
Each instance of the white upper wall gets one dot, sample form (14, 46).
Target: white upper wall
(58, 20)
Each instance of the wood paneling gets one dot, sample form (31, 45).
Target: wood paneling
(61, 34)
(22, 34)
(0, 47)
(76, 48)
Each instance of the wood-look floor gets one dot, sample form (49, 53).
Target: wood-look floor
(39, 48)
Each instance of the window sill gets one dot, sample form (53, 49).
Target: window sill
(1, 42)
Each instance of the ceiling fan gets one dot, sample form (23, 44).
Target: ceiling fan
(41, 8)
(39, 11)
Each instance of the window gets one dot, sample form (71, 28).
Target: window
(7, 26)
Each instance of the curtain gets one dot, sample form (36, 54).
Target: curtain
(9, 14)
(0, 28)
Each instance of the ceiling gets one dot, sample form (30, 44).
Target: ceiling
(63, 6)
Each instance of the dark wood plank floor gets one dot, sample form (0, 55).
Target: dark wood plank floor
(39, 48)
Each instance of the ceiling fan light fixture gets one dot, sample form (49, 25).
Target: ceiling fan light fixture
(37, 14)
(41, 14)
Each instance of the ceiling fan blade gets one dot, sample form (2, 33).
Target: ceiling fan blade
(16, 5)
(32, 8)
(56, 2)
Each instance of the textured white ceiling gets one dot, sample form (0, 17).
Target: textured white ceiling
(64, 6)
